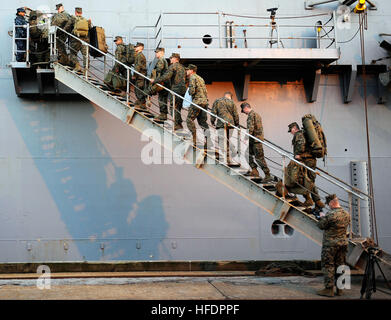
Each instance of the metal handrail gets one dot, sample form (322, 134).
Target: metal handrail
(219, 25)
(278, 150)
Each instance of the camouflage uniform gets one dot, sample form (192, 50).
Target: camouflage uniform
(199, 94)
(118, 75)
(140, 65)
(160, 68)
(335, 243)
(255, 128)
(39, 45)
(225, 108)
(62, 20)
(76, 46)
(176, 74)
(300, 148)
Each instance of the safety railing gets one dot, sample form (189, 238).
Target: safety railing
(238, 34)
(97, 72)
(24, 41)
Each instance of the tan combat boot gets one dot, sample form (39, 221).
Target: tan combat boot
(319, 204)
(178, 127)
(340, 292)
(268, 178)
(326, 292)
(161, 117)
(252, 173)
(308, 201)
(78, 68)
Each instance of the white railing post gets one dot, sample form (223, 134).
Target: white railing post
(87, 62)
(127, 86)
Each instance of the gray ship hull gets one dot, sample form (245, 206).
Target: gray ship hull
(73, 186)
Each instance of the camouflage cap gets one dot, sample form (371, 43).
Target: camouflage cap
(117, 38)
(139, 44)
(330, 197)
(243, 105)
(175, 55)
(159, 49)
(293, 124)
(79, 10)
(58, 6)
(192, 67)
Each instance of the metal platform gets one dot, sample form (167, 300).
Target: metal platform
(256, 56)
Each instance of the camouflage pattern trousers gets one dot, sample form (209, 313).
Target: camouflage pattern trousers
(61, 39)
(311, 162)
(331, 258)
(200, 115)
(139, 90)
(75, 47)
(162, 96)
(256, 157)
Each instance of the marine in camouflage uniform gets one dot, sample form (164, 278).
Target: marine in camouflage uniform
(176, 75)
(140, 65)
(75, 45)
(117, 75)
(39, 45)
(199, 94)
(225, 108)
(335, 243)
(301, 153)
(256, 154)
(159, 69)
(63, 20)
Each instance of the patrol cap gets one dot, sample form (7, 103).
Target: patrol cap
(79, 10)
(20, 10)
(117, 38)
(192, 67)
(330, 197)
(175, 55)
(139, 44)
(58, 6)
(159, 49)
(293, 124)
(243, 105)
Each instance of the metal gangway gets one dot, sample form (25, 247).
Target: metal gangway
(212, 159)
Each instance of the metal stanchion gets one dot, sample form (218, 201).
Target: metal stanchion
(87, 62)
(283, 176)
(127, 86)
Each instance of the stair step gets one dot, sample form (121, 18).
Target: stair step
(233, 165)
(160, 121)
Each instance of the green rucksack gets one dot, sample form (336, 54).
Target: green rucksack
(130, 54)
(80, 28)
(314, 135)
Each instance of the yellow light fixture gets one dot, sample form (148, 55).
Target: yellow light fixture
(360, 7)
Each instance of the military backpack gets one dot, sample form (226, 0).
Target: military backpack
(80, 28)
(130, 54)
(315, 137)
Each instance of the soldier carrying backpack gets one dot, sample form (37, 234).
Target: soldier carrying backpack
(306, 148)
(80, 29)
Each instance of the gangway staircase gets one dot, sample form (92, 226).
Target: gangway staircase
(231, 176)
